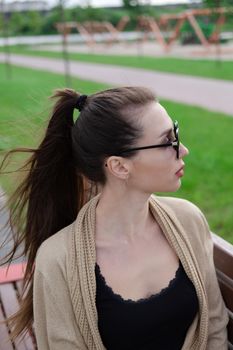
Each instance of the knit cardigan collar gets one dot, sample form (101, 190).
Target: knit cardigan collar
(81, 275)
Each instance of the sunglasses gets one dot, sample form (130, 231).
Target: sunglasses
(175, 144)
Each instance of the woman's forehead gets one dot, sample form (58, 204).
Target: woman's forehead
(156, 120)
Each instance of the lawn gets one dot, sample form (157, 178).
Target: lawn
(208, 178)
(202, 68)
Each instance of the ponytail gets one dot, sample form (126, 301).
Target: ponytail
(48, 198)
(55, 186)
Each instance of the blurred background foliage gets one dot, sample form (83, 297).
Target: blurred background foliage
(36, 23)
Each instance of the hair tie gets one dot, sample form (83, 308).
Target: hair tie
(81, 102)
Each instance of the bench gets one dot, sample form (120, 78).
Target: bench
(10, 290)
(223, 260)
(11, 287)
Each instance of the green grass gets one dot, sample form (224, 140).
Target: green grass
(25, 108)
(202, 68)
(208, 178)
(25, 103)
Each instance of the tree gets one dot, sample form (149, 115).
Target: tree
(129, 4)
(50, 20)
(1, 23)
(218, 3)
(17, 23)
(35, 22)
(137, 7)
(221, 3)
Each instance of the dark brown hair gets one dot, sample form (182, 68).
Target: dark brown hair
(63, 170)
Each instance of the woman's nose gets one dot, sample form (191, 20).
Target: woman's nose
(183, 150)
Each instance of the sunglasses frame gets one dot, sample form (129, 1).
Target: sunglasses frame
(175, 144)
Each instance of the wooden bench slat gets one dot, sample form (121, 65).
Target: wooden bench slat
(226, 286)
(8, 297)
(223, 260)
(223, 256)
(15, 272)
(11, 305)
(30, 339)
(6, 344)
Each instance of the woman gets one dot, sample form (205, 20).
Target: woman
(125, 269)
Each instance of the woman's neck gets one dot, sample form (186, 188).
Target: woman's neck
(122, 216)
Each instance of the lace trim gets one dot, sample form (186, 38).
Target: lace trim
(155, 295)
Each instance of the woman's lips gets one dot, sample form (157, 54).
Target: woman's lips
(180, 172)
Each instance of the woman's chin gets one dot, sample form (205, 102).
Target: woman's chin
(175, 187)
(178, 185)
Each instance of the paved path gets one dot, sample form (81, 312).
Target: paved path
(215, 95)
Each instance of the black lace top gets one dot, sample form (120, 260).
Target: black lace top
(159, 322)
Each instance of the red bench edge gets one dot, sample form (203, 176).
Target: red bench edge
(15, 272)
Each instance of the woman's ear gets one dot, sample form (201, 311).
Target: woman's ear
(118, 167)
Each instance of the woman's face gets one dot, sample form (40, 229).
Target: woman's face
(155, 169)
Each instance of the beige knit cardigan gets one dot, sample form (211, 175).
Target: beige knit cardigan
(65, 314)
